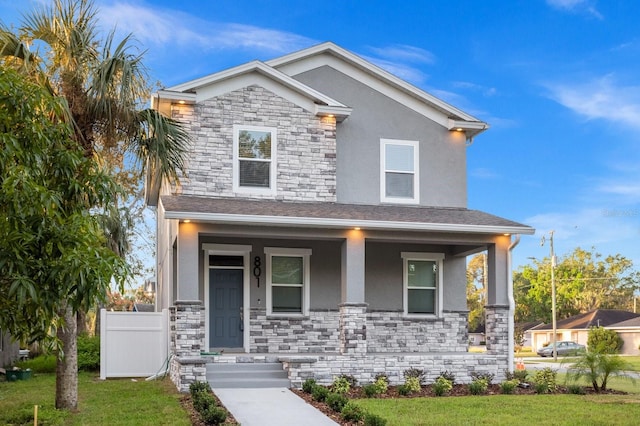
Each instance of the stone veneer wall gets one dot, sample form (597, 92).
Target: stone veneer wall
(306, 150)
(325, 368)
(497, 328)
(316, 333)
(394, 332)
(186, 326)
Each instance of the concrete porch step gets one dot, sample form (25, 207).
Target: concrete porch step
(247, 375)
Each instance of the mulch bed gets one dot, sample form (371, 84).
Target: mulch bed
(426, 391)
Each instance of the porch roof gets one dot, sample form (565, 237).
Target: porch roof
(337, 215)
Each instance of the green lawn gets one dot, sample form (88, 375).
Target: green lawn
(508, 410)
(110, 402)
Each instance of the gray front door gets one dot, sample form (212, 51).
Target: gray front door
(225, 304)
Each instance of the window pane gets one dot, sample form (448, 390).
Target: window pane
(286, 270)
(226, 260)
(254, 144)
(399, 158)
(255, 173)
(421, 301)
(286, 299)
(399, 185)
(422, 273)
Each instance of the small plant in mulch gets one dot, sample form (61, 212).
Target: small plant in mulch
(478, 386)
(352, 412)
(442, 386)
(545, 380)
(206, 404)
(341, 385)
(509, 386)
(308, 385)
(336, 401)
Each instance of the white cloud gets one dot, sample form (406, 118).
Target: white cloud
(172, 29)
(406, 72)
(576, 6)
(601, 98)
(486, 91)
(404, 53)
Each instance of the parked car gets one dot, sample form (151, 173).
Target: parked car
(564, 348)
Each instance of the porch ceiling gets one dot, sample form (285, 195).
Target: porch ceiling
(336, 215)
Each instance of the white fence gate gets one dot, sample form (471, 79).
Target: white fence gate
(133, 344)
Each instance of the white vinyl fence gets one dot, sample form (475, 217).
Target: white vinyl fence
(133, 344)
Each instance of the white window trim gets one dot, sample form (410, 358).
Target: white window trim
(416, 172)
(306, 285)
(229, 250)
(272, 190)
(435, 257)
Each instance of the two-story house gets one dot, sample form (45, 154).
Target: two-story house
(324, 223)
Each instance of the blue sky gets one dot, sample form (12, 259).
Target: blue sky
(557, 80)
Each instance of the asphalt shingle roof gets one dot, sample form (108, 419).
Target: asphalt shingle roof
(336, 211)
(599, 317)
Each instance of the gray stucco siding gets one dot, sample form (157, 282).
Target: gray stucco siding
(376, 116)
(324, 268)
(384, 280)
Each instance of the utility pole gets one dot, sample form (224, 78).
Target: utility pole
(553, 294)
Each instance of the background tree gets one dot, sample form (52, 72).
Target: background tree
(103, 83)
(604, 341)
(585, 280)
(476, 290)
(53, 256)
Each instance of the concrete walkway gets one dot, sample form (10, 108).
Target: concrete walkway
(270, 407)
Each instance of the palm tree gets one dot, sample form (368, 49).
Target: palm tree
(104, 84)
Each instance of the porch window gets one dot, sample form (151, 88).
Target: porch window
(254, 159)
(399, 171)
(287, 281)
(422, 283)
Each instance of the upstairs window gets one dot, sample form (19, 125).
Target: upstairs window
(422, 283)
(254, 159)
(399, 171)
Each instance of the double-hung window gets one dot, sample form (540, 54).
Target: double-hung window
(399, 174)
(254, 159)
(287, 280)
(422, 283)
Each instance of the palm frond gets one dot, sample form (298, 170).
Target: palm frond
(163, 149)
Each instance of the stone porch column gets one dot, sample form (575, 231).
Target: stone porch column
(186, 325)
(497, 329)
(353, 329)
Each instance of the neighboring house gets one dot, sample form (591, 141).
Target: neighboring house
(576, 328)
(9, 350)
(629, 331)
(324, 223)
(527, 328)
(477, 336)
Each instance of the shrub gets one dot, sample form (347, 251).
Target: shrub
(213, 415)
(320, 393)
(336, 401)
(404, 390)
(381, 383)
(308, 385)
(519, 375)
(374, 420)
(199, 387)
(604, 341)
(349, 378)
(340, 385)
(442, 386)
(446, 374)
(488, 377)
(508, 386)
(40, 364)
(88, 353)
(545, 380)
(370, 390)
(576, 389)
(415, 372)
(202, 401)
(352, 412)
(478, 386)
(597, 368)
(413, 384)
